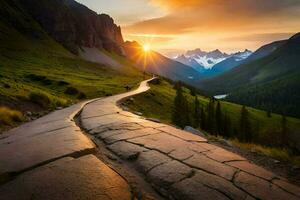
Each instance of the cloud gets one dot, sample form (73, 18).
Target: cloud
(228, 24)
(219, 15)
(263, 37)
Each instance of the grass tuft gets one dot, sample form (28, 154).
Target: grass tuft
(273, 152)
(46, 101)
(71, 91)
(9, 116)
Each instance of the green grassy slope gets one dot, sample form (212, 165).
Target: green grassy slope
(158, 103)
(32, 63)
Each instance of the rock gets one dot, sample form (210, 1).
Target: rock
(125, 108)
(226, 142)
(276, 161)
(74, 25)
(59, 108)
(253, 150)
(138, 113)
(153, 120)
(194, 131)
(28, 113)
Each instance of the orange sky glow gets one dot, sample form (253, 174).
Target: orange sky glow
(172, 26)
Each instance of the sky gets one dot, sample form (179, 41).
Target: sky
(174, 26)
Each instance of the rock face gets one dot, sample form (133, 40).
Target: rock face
(75, 26)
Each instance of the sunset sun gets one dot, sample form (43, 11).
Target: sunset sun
(146, 47)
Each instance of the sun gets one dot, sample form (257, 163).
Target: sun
(146, 47)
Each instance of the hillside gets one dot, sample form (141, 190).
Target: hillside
(158, 103)
(156, 63)
(38, 74)
(280, 68)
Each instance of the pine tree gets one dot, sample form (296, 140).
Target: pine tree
(226, 126)
(196, 114)
(218, 116)
(203, 120)
(269, 114)
(284, 137)
(180, 115)
(245, 127)
(211, 116)
(193, 91)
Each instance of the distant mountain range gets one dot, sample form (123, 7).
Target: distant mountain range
(158, 64)
(212, 63)
(268, 79)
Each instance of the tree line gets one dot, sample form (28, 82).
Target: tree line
(215, 120)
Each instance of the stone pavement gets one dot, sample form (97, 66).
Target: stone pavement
(176, 163)
(51, 158)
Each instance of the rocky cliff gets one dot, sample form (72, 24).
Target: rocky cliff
(75, 26)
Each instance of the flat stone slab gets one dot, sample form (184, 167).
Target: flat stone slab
(260, 188)
(48, 138)
(215, 187)
(32, 151)
(84, 178)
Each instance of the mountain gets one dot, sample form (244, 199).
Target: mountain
(265, 50)
(158, 64)
(214, 62)
(75, 26)
(232, 61)
(190, 62)
(270, 82)
(205, 59)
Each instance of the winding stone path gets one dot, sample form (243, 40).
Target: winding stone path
(51, 158)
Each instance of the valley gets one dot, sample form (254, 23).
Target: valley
(86, 112)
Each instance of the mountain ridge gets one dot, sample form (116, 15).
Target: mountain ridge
(259, 79)
(74, 25)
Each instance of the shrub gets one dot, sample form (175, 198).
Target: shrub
(46, 100)
(34, 77)
(40, 98)
(71, 91)
(6, 85)
(43, 79)
(8, 116)
(63, 83)
(81, 95)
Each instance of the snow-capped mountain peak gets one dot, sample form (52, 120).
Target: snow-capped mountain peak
(203, 60)
(242, 55)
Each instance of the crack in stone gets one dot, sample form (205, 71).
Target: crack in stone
(151, 168)
(36, 134)
(276, 178)
(94, 116)
(44, 132)
(217, 190)
(182, 138)
(234, 183)
(191, 166)
(9, 176)
(126, 140)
